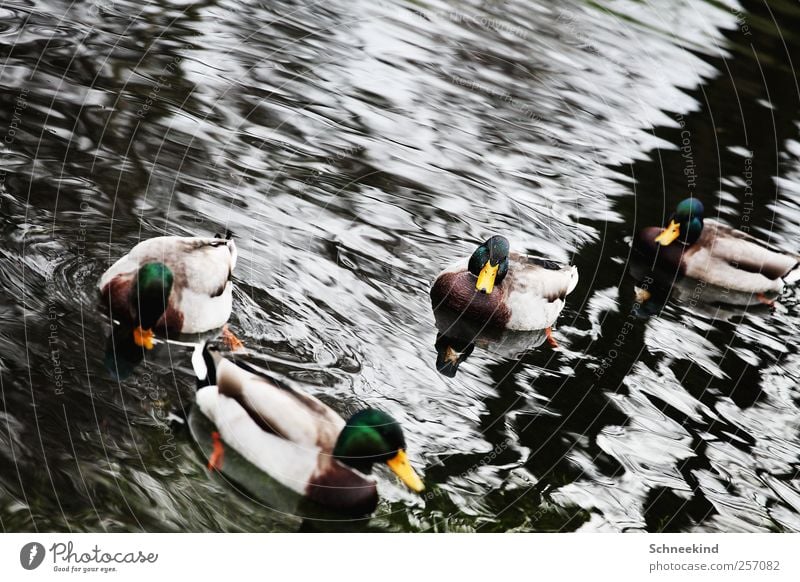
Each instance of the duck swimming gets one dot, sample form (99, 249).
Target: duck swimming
(500, 288)
(709, 251)
(171, 284)
(296, 439)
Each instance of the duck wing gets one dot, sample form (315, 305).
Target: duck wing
(532, 275)
(733, 259)
(289, 463)
(202, 265)
(278, 409)
(536, 289)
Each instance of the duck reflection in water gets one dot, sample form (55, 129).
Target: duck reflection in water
(122, 354)
(450, 352)
(708, 264)
(458, 337)
(655, 286)
(500, 299)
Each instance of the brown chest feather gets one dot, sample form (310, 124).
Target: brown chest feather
(341, 488)
(457, 292)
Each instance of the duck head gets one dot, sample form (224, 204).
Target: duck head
(149, 300)
(489, 263)
(372, 436)
(685, 224)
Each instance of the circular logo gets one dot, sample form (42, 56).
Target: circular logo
(31, 555)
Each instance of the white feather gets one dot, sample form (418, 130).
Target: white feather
(202, 312)
(199, 363)
(201, 267)
(282, 410)
(706, 265)
(529, 290)
(289, 463)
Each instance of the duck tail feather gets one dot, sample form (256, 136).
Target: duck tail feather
(227, 236)
(573, 279)
(793, 276)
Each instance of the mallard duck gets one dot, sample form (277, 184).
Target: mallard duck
(171, 284)
(503, 289)
(295, 438)
(708, 251)
(458, 336)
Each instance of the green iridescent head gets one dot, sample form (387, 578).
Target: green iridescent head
(372, 436)
(685, 225)
(151, 291)
(489, 263)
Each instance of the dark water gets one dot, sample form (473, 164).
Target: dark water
(354, 148)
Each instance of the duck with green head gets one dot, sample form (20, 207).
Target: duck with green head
(296, 439)
(500, 288)
(685, 224)
(709, 251)
(171, 285)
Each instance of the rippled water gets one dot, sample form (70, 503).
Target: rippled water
(354, 148)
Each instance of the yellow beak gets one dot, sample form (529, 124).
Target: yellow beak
(402, 468)
(669, 234)
(486, 277)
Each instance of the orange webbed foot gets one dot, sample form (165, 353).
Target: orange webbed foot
(143, 337)
(766, 300)
(550, 339)
(232, 342)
